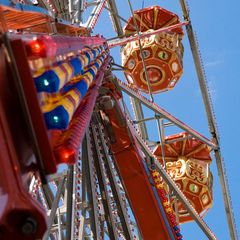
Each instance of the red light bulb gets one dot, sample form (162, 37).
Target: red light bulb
(66, 155)
(36, 48)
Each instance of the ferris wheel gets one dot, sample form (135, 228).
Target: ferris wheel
(88, 150)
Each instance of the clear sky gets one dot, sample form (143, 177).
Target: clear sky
(217, 26)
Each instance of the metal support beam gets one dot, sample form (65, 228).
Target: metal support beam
(164, 114)
(60, 236)
(48, 195)
(81, 228)
(80, 10)
(124, 40)
(46, 5)
(69, 189)
(54, 208)
(111, 4)
(92, 20)
(161, 139)
(138, 111)
(143, 120)
(114, 186)
(89, 185)
(71, 9)
(103, 187)
(211, 120)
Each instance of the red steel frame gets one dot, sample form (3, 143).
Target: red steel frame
(136, 181)
(21, 217)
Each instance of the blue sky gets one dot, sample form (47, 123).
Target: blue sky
(218, 31)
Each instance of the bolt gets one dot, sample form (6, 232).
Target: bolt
(29, 226)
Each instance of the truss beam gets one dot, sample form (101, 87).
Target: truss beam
(89, 186)
(70, 203)
(211, 120)
(111, 4)
(114, 186)
(112, 232)
(92, 20)
(54, 207)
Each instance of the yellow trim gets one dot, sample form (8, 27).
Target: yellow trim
(183, 146)
(155, 14)
(171, 149)
(69, 69)
(141, 22)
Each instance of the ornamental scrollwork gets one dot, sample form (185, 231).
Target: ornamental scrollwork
(176, 169)
(196, 171)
